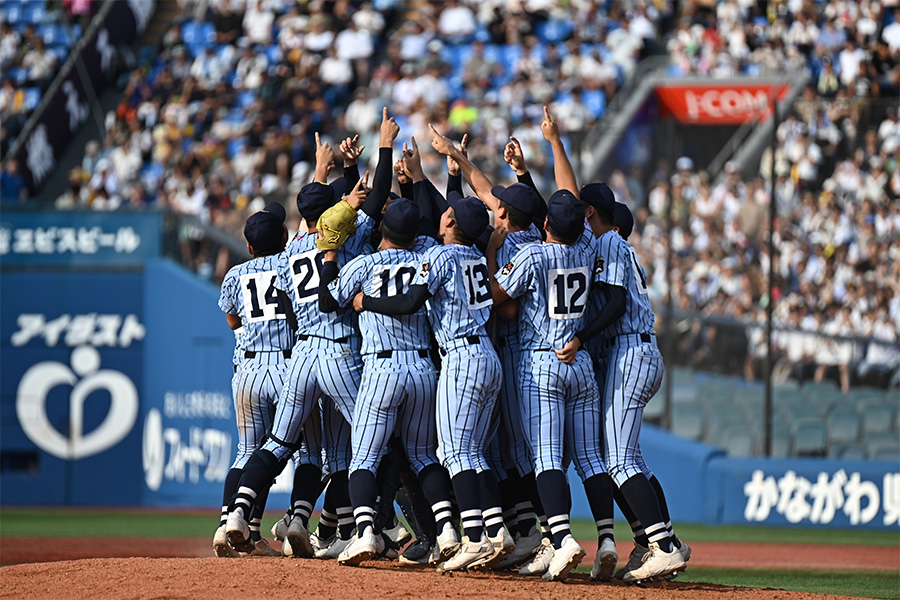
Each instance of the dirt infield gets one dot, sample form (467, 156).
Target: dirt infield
(179, 568)
(16, 550)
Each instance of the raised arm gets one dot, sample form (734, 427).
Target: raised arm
(454, 177)
(381, 184)
(324, 160)
(562, 168)
(515, 158)
(350, 150)
(479, 182)
(403, 179)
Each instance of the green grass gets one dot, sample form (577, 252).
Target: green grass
(32, 522)
(868, 584)
(584, 529)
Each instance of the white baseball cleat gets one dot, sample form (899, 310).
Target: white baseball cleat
(279, 529)
(605, 561)
(398, 534)
(333, 549)
(655, 563)
(319, 544)
(503, 545)
(447, 542)
(634, 560)
(237, 530)
(526, 546)
(468, 553)
(221, 546)
(566, 558)
(541, 560)
(361, 548)
(298, 537)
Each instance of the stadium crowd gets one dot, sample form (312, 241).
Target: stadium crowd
(222, 121)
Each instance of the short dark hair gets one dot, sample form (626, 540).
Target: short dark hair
(567, 241)
(405, 240)
(605, 218)
(516, 217)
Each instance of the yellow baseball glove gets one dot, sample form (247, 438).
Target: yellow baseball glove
(336, 224)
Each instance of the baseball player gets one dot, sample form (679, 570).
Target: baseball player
(624, 224)
(254, 307)
(325, 359)
(599, 489)
(453, 279)
(561, 402)
(632, 370)
(399, 380)
(515, 208)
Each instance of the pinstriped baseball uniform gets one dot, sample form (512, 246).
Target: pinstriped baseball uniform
(509, 448)
(631, 362)
(561, 403)
(248, 291)
(397, 391)
(325, 358)
(457, 279)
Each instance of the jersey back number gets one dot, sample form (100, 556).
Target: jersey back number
(305, 271)
(477, 283)
(261, 301)
(568, 292)
(391, 280)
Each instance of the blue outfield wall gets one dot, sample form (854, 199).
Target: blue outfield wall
(115, 389)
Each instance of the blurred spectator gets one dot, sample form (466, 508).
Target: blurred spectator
(228, 23)
(12, 184)
(40, 63)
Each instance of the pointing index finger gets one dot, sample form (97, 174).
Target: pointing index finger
(384, 116)
(318, 140)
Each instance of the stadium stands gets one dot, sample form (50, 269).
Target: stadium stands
(219, 119)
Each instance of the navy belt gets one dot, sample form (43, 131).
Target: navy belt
(253, 353)
(390, 353)
(341, 340)
(472, 340)
(645, 338)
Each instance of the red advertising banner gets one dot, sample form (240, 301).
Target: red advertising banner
(719, 104)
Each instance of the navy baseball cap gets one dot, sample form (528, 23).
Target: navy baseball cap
(600, 197)
(565, 214)
(315, 198)
(402, 216)
(265, 229)
(519, 196)
(624, 220)
(470, 215)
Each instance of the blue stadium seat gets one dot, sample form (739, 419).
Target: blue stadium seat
(595, 100)
(32, 97)
(877, 419)
(17, 74)
(234, 145)
(55, 35)
(688, 421)
(13, 14)
(553, 30)
(245, 98)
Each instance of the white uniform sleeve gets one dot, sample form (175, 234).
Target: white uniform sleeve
(613, 266)
(517, 276)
